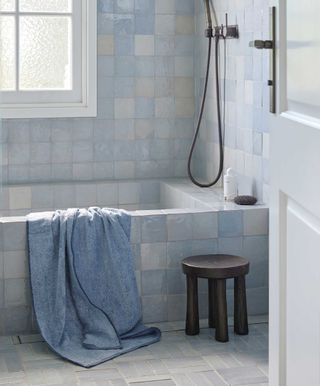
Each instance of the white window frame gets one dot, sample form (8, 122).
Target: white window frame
(81, 101)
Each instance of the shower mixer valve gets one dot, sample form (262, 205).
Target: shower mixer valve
(224, 31)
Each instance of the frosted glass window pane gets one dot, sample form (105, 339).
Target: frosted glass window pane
(45, 5)
(7, 50)
(7, 5)
(45, 52)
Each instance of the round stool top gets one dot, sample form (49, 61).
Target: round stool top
(215, 266)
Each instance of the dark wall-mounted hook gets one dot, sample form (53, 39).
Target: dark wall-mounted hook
(262, 44)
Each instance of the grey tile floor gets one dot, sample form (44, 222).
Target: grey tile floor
(176, 360)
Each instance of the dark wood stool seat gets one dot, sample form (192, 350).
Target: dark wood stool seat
(217, 268)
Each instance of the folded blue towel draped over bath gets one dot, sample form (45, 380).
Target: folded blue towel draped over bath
(84, 288)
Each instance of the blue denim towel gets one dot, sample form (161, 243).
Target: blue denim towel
(83, 283)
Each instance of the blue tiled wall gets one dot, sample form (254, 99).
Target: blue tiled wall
(159, 244)
(151, 54)
(247, 94)
(145, 104)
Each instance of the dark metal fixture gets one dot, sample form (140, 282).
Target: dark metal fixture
(270, 45)
(262, 44)
(221, 32)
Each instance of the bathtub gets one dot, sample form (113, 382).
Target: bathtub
(171, 219)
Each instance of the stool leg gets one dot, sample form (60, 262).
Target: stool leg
(240, 306)
(192, 320)
(221, 315)
(211, 303)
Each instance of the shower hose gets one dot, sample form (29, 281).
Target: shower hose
(217, 38)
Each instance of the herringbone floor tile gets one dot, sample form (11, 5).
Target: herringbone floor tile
(176, 360)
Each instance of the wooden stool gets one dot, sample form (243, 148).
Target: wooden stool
(217, 268)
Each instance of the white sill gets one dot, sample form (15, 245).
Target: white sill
(64, 111)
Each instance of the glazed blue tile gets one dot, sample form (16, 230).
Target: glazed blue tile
(150, 192)
(105, 108)
(154, 282)
(103, 129)
(143, 149)
(230, 223)
(123, 151)
(144, 107)
(105, 6)
(164, 66)
(185, 7)
(144, 6)
(231, 86)
(153, 229)
(106, 87)
(184, 127)
(136, 251)
(124, 6)
(124, 66)
(265, 121)
(258, 274)
(162, 149)
(248, 67)
(164, 128)
(105, 23)
(164, 45)
(204, 247)
(256, 247)
(155, 308)
(176, 282)
(145, 67)
(257, 143)
(179, 227)
(144, 24)
(103, 151)
(230, 245)
(124, 45)
(176, 251)
(181, 147)
(124, 87)
(184, 45)
(124, 25)
(105, 66)
(257, 120)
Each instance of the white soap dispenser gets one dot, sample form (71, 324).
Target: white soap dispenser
(230, 187)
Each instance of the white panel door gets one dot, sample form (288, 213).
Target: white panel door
(295, 198)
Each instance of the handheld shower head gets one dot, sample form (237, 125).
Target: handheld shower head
(208, 12)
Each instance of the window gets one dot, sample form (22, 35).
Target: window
(48, 58)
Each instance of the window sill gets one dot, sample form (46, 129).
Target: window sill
(49, 111)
